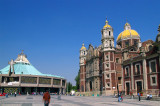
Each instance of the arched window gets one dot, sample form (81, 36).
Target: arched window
(109, 33)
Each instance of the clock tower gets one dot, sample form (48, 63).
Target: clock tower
(107, 37)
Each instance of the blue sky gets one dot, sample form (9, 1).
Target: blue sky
(51, 32)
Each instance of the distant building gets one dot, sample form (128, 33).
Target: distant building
(107, 69)
(22, 77)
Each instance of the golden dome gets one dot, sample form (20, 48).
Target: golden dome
(83, 47)
(107, 26)
(128, 34)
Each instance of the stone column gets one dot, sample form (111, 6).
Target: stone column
(132, 78)
(51, 82)
(60, 90)
(37, 81)
(61, 82)
(145, 75)
(20, 80)
(122, 78)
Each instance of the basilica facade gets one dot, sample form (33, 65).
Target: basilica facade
(22, 77)
(131, 66)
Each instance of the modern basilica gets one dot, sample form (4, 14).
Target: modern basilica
(130, 67)
(22, 77)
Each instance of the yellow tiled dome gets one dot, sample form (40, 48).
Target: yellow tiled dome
(107, 26)
(82, 48)
(128, 34)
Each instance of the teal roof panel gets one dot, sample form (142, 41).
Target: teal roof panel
(26, 69)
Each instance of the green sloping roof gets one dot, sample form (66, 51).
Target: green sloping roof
(26, 69)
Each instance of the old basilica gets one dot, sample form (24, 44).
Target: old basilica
(130, 67)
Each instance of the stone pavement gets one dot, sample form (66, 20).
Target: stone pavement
(74, 101)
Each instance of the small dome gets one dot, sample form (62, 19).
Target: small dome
(106, 24)
(83, 48)
(127, 33)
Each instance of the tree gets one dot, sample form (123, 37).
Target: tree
(69, 86)
(74, 88)
(77, 79)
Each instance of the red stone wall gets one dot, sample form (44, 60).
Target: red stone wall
(149, 74)
(82, 77)
(112, 65)
(111, 56)
(113, 78)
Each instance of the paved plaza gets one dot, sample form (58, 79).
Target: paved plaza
(73, 101)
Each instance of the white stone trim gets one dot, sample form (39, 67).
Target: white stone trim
(107, 85)
(150, 65)
(126, 71)
(136, 68)
(106, 65)
(107, 59)
(145, 75)
(151, 80)
(109, 75)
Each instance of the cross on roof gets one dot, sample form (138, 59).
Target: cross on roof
(22, 52)
(11, 62)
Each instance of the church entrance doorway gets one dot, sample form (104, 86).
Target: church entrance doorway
(90, 85)
(127, 88)
(139, 86)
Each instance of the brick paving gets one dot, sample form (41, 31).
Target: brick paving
(74, 101)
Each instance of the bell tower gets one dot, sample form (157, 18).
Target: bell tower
(107, 37)
(82, 63)
(108, 53)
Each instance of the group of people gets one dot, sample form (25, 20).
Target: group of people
(120, 97)
(15, 94)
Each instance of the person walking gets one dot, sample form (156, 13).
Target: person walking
(121, 97)
(15, 94)
(139, 97)
(46, 98)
